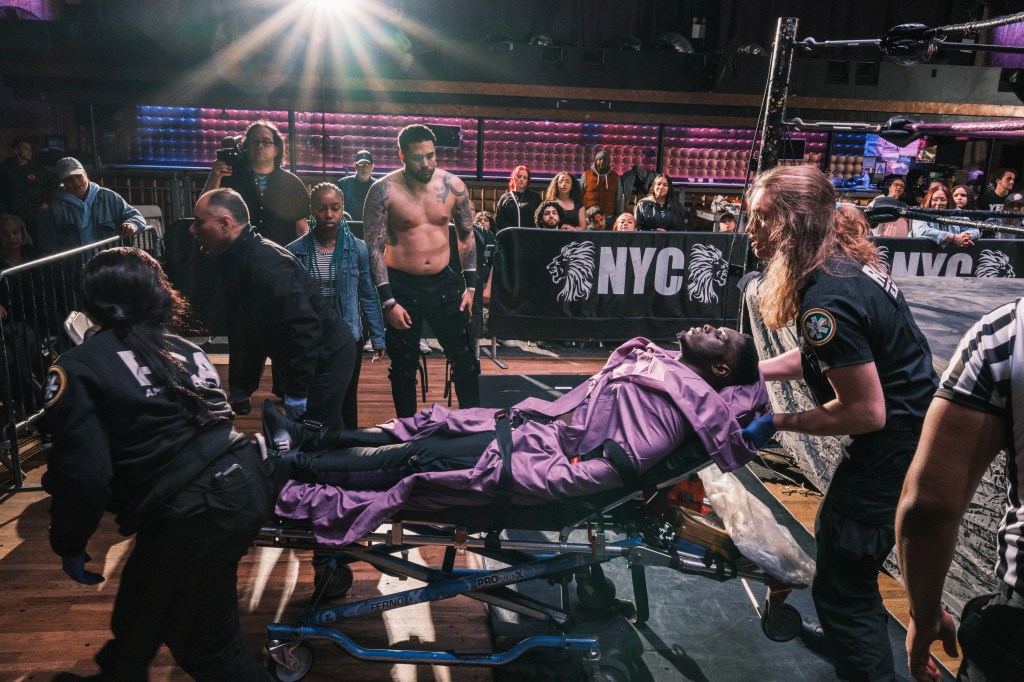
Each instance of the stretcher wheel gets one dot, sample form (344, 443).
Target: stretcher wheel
(597, 594)
(338, 582)
(612, 670)
(302, 659)
(780, 622)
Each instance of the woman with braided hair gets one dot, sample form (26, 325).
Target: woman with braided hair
(142, 429)
(340, 264)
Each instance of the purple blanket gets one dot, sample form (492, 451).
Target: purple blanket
(643, 398)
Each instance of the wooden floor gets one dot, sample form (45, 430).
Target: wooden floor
(50, 624)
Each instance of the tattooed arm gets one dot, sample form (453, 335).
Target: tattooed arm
(375, 234)
(462, 217)
(375, 227)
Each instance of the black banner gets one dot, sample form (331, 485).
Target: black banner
(553, 284)
(916, 257)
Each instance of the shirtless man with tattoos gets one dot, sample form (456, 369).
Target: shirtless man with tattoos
(405, 226)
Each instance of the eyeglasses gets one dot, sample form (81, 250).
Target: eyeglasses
(261, 143)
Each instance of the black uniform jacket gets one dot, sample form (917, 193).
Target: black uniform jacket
(119, 442)
(275, 309)
(274, 212)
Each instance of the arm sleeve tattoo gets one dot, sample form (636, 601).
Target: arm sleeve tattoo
(375, 227)
(462, 216)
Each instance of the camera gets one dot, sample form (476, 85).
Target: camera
(231, 151)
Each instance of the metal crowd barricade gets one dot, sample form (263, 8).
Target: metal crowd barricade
(36, 297)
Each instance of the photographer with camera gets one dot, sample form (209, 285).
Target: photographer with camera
(278, 201)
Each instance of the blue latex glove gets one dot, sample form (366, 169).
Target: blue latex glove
(74, 566)
(760, 431)
(294, 408)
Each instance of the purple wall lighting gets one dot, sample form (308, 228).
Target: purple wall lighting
(550, 147)
(348, 133)
(189, 136)
(1011, 34)
(723, 154)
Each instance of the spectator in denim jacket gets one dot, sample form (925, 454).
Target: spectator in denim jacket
(340, 264)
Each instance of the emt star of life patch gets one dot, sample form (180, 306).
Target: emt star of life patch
(818, 326)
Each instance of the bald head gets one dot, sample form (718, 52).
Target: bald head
(721, 356)
(219, 218)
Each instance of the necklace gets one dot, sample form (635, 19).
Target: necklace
(317, 257)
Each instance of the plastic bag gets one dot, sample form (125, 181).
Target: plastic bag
(754, 529)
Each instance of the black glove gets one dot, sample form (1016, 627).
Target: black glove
(74, 566)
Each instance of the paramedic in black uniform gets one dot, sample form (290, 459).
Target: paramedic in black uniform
(141, 429)
(275, 309)
(870, 370)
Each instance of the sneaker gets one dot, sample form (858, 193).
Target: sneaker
(509, 343)
(425, 347)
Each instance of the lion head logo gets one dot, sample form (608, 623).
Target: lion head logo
(994, 264)
(705, 271)
(574, 265)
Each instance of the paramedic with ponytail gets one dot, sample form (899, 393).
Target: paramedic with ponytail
(142, 429)
(869, 369)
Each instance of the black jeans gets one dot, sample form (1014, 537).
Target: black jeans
(326, 397)
(436, 299)
(380, 467)
(854, 533)
(991, 632)
(179, 586)
(350, 403)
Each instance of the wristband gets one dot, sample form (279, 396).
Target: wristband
(470, 278)
(388, 304)
(384, 293)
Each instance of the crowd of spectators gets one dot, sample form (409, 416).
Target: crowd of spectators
(942, 195)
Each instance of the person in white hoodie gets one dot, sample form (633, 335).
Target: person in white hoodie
(82, 212)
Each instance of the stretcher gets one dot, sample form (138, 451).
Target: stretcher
(642, 524)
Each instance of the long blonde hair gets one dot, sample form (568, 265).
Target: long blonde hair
(806, 228)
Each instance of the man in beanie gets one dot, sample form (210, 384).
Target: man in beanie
(601, 186)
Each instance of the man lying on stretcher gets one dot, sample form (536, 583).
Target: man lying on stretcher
(639, 408)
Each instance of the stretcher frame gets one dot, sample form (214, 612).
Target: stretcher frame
(647, 541)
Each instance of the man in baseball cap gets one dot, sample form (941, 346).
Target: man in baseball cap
(355, 187)
(1013, 204)
(83, 212)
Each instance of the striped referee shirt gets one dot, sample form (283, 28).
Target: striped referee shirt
(979, 377)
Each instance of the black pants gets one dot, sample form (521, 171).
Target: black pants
(854, 533)
(326, 397)
(378, 467)
(350, 403)
(179, 586)
(326, 393)
(991, 635)
(436, 299)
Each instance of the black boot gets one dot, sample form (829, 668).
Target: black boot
(284, 434)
